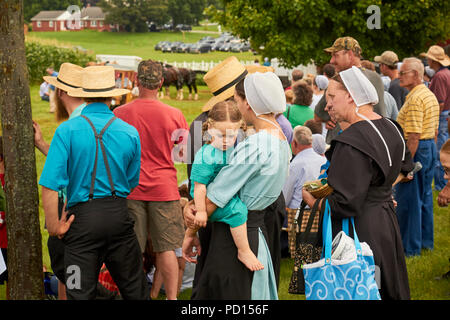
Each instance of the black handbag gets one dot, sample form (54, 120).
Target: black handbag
(308, 244)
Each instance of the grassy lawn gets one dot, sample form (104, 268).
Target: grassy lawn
(423, 270)
(134, 44)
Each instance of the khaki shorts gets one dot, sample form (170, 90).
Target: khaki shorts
(162, 220)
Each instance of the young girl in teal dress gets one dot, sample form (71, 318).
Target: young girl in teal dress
(223, 125)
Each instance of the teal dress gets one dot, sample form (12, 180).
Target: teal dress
(257, 170)
(207, 164)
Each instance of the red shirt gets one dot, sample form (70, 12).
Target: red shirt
(3, 234)
(440, 86)
(160, 128)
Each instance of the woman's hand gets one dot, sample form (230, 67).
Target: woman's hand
(308, 198)
(190, 242)
(189, 214)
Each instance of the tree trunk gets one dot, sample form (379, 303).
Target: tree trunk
(25, 276)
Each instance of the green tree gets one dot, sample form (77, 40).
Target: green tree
(25, 280)
(133, 15)
(296, 31)
(186, 11)
(33, 7)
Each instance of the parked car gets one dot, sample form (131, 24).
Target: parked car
(183, 27)
(152, 27)
(160, 44)
(167, 47)
(226, 47)
(240, 47)
(185, 47)
(200, 48)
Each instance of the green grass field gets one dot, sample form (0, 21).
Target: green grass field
(423, 270)
(134, 44)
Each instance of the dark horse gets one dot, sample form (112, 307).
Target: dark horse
(178, 77)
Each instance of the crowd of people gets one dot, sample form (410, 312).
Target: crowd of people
(109, 184)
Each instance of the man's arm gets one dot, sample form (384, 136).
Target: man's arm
(39, 141)
(55, 226)
(413, 143)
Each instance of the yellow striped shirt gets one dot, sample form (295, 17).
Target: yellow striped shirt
(420, 113)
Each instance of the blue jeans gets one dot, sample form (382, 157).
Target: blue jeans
(415, 203)
(439, 181)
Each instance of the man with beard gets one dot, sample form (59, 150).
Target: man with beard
(67, 107)
(346, 53)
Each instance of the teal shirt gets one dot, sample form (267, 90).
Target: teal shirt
(70, 159)
(75, 113)
(257, 171)
(207, 164)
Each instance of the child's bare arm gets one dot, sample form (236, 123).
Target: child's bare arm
(201, 216)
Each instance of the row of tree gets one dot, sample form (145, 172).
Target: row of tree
(133, 15)
(296, 31)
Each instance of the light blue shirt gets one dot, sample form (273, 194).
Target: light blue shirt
(70, 160)
(305, 167)
(256, 171)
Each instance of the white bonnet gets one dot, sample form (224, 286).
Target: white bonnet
(264, 93)
(360, 88)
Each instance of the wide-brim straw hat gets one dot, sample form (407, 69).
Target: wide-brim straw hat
(69, 77)
(98, 82)
(222, 79)
(437, 54)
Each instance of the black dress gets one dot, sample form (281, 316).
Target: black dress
(219, 275)
(362, 179)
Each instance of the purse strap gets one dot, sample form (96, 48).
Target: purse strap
(311, 218)
(327, 235)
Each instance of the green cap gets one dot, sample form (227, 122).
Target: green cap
(150, 74)
(345, 43)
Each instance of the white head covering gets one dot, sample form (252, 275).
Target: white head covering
(264, 93)
(321, 82)
(360, 88)
(430, 72)
(318, 143)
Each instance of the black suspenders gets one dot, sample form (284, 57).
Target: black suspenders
(98, 140)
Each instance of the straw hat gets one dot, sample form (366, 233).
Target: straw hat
(252, 68)
(437, 54)
(222, 79)
(69, 77)
(98, 82)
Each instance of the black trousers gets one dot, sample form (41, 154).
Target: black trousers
(103, 232)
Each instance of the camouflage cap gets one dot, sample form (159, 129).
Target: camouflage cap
(150, 74)
(345, 43)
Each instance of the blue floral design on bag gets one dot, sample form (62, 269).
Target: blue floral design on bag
(350, 279)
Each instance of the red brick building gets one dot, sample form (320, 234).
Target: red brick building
(89, 18)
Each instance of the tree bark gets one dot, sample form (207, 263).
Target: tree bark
(25, 276)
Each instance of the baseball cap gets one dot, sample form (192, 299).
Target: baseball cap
(344, 43)
(388, 58)
(150, 74)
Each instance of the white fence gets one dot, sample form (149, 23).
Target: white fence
(204, 66)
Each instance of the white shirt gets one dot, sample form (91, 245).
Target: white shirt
(44, 88)
(305, 167)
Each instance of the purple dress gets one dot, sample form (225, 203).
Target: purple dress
(286, 127)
